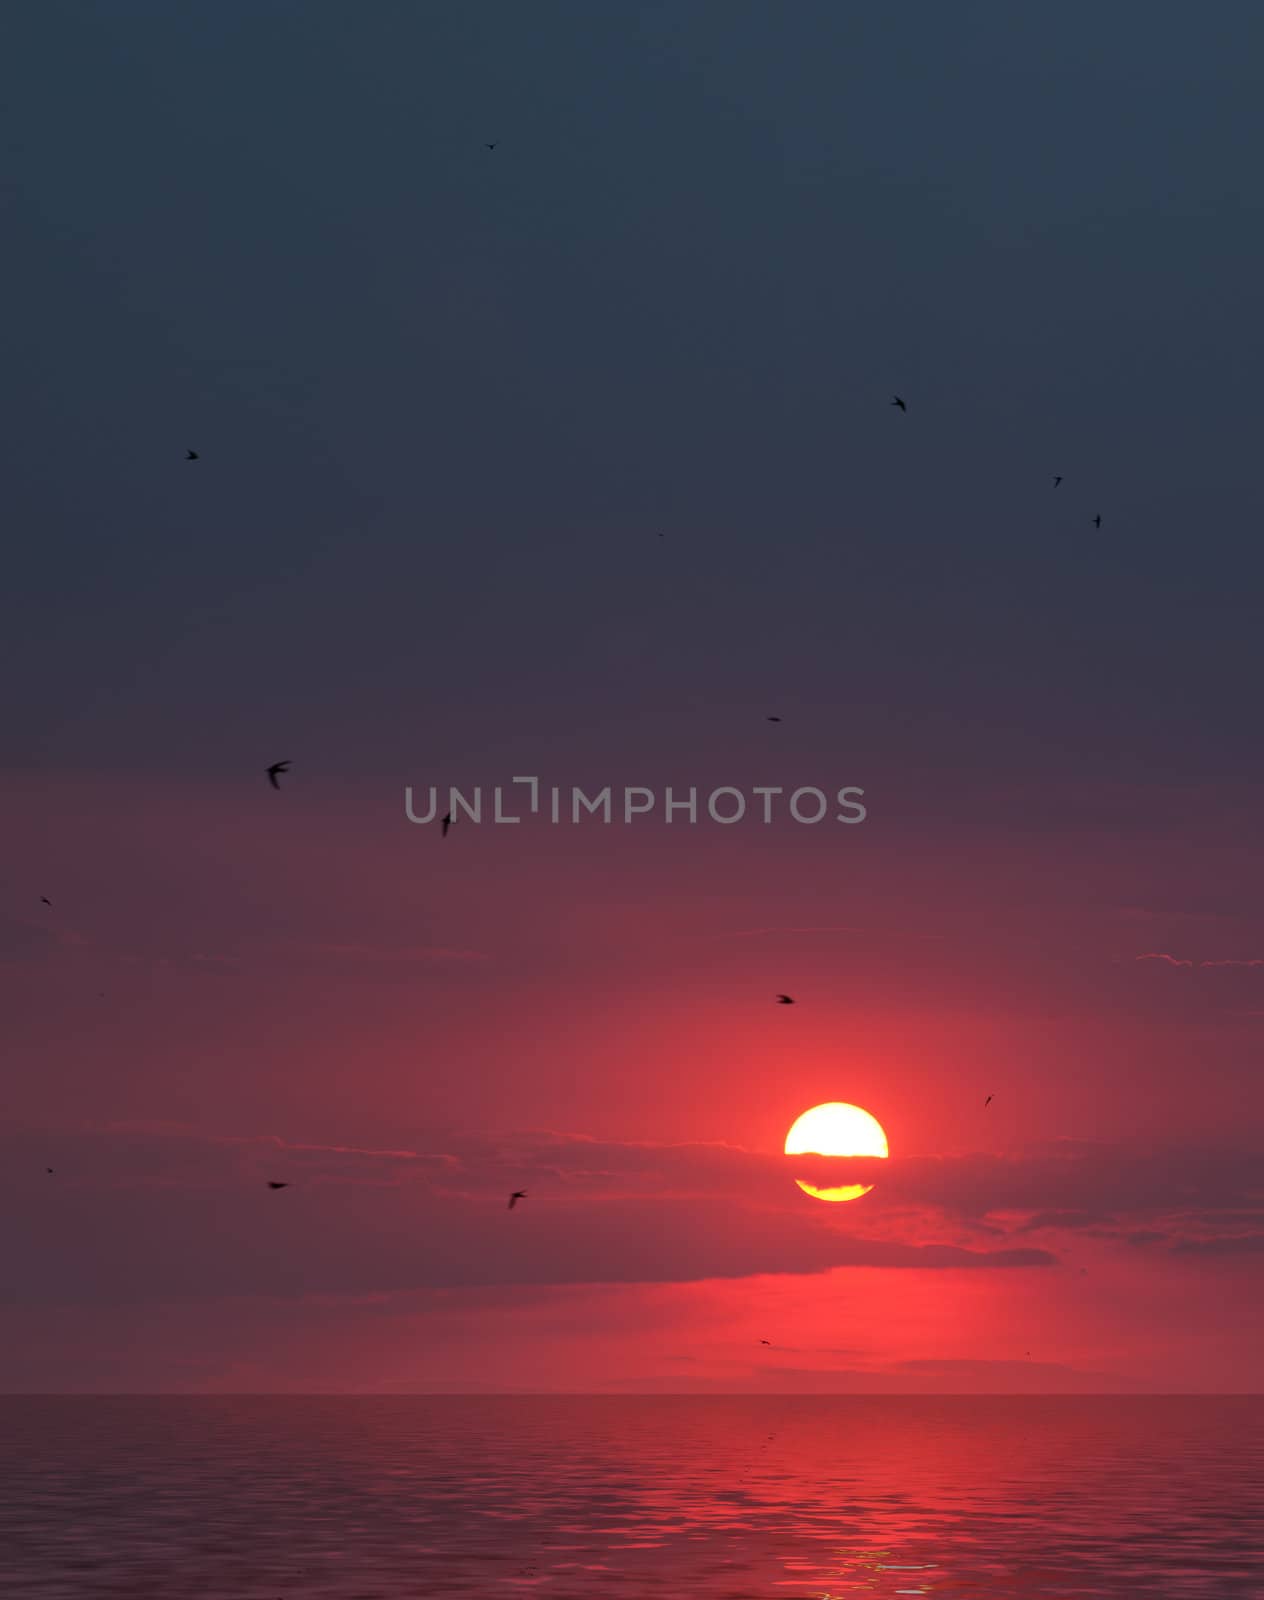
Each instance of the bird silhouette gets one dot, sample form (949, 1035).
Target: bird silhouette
(784, 1000)
(987, 1102)
(272, 1185)
(489, 147)
(275, 770)
(768, 1342)
(447, 823)
(191, 455)
(518, 1194)
(1057, 480)
(898, 402)
(49, 1171)
(44, 900)
(774, 719)
(1097, 520)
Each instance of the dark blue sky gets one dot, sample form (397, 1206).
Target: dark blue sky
(447, 400)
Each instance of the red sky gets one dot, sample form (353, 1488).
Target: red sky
(577, 458)
(233, 986)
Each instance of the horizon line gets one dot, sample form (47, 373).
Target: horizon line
(639, 1394)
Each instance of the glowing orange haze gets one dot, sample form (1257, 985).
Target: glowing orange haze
(254, 982)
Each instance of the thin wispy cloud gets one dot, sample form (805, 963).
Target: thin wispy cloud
(1179, 961)
(406, 955)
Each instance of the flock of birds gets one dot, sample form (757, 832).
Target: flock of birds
(273, 774)
(1057, 479)
(278, 769)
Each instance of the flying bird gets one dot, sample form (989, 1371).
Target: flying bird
(766, 1341)
(275, 770)
(987, 1102)
(1097, 520)
(191, 455)
(489, 147)
(518, 1194)
(45, 901)
(898, 402)
(272, 1185)
(784, 1000)
(49, 1171)
(447, 823)
(774, 719)
(1057, 480)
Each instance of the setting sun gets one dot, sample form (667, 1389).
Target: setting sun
(836, 1129)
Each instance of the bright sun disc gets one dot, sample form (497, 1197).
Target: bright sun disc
(836, 1129)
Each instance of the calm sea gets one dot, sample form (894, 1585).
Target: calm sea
(702, 1499)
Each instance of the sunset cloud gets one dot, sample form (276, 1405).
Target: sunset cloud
(163, 1211)
(1065, 1184)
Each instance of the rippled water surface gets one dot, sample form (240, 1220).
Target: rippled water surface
(716, 1498)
